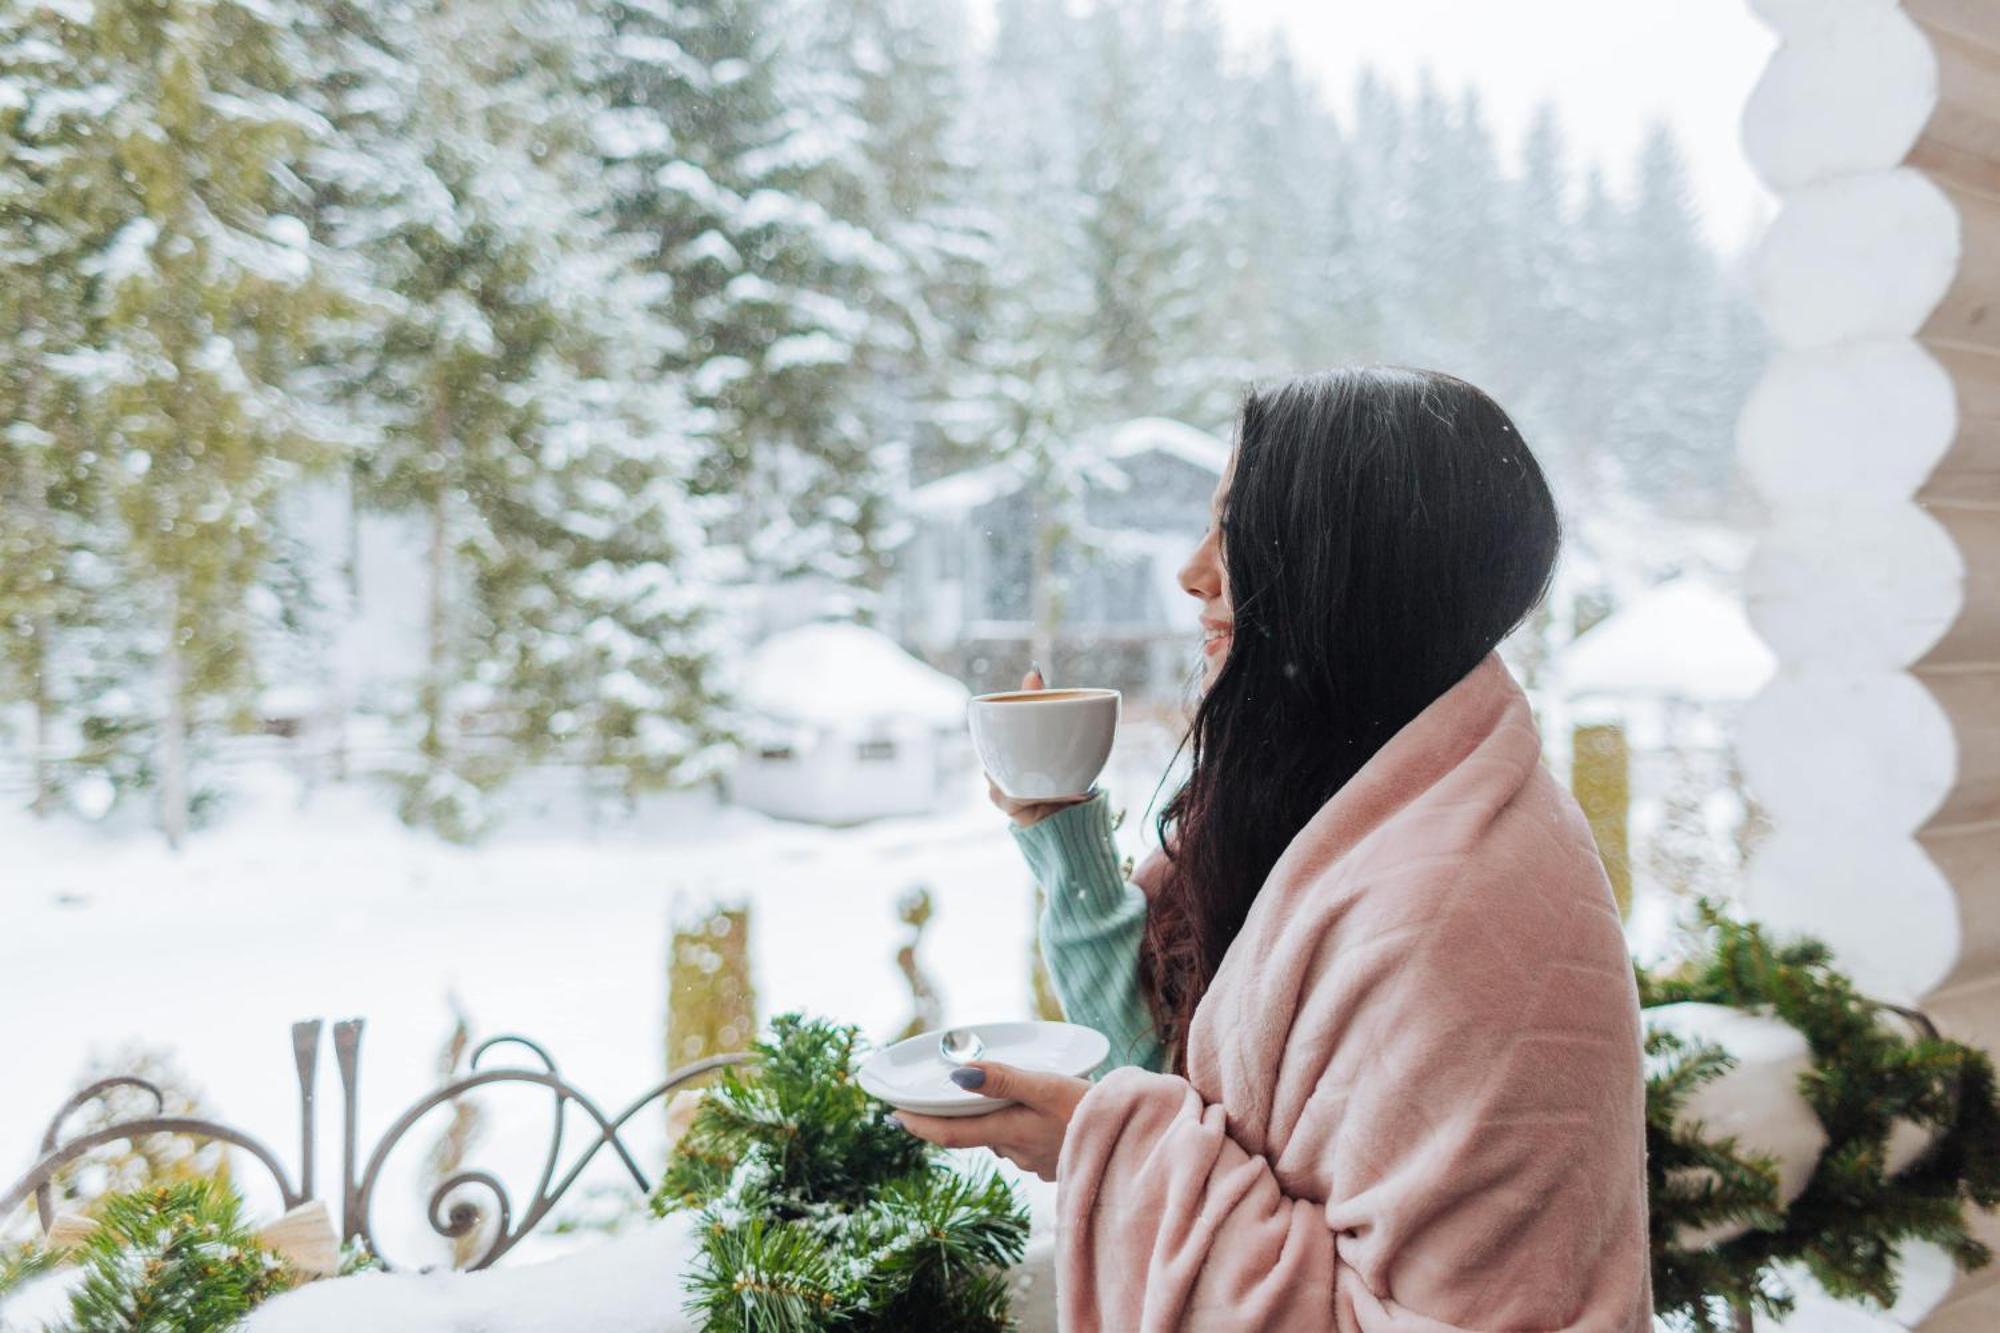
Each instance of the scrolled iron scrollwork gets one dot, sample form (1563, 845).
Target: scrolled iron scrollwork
(58, 1152)
(449, 1214)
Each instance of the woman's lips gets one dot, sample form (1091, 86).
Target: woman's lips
(1215, 637)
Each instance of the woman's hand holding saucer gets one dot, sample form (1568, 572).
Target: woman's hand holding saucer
(1029, 1134)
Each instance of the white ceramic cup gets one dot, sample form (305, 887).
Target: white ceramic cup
(1043, 745)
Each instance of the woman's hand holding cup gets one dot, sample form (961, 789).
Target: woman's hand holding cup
(1030, 811)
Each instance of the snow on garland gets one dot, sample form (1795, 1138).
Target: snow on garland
(1848, 1224)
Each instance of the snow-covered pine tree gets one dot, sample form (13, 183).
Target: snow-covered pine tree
(433, 369)
(1448, 237)
(1686, 362)
(170, 200)
(1537, 330)
(1379, 208)
(600, 634)
(45, 528)
(706, 166)
(1536, 346)
(885, 83)
(1591, 402)
(51, 511)
(1190, 93)
(1031, 368)
(1287, 252)
(1115, 234)
(1150, 223)
(507, 377)
(1030, 386)
(594, 590)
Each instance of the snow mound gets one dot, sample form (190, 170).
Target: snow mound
(628, 1284)
(834, 673)
(1685, 640)
(624, 1285)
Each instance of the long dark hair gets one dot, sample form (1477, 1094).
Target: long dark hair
(1384, 528)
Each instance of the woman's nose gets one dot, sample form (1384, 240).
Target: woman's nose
(1198, 577)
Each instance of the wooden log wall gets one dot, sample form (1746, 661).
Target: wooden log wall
(1874, 438)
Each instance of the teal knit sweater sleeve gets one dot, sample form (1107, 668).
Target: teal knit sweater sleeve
(1092, 921)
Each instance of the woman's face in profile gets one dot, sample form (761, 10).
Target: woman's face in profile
(1203, 578)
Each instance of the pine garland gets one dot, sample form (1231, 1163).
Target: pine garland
(171, 1258)
(1849, 1223)
(818, 1213)
(22, 1264)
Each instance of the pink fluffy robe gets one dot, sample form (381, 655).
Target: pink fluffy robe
(1415, 1099)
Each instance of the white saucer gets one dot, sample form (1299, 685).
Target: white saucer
(912, 1076)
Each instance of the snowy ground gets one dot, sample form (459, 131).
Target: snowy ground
(329, 907)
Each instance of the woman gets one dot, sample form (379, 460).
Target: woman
(1380, 1038)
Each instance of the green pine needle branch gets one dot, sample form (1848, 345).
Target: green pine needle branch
(1848, 1225)
(168, 1258)
(819, 1213)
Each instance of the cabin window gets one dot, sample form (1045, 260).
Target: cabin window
(776, 754)
(951, 552)
(875, 750)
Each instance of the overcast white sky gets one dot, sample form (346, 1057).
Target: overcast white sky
(1611, 66)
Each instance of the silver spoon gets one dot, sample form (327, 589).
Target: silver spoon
(961, 1046)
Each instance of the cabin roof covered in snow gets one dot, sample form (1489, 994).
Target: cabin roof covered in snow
(833, 672)
(963, 491)
(1164, 435)
(1685, 640)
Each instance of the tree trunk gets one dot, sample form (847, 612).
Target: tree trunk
(174, 732)
(45, 786)
(42, 627)
(1044, 606)
(435, 684)
(436, 741)
(343, 669)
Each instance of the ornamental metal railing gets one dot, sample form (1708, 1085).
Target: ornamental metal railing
(359, 1174)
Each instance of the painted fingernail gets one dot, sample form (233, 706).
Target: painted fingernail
(968, 1078)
